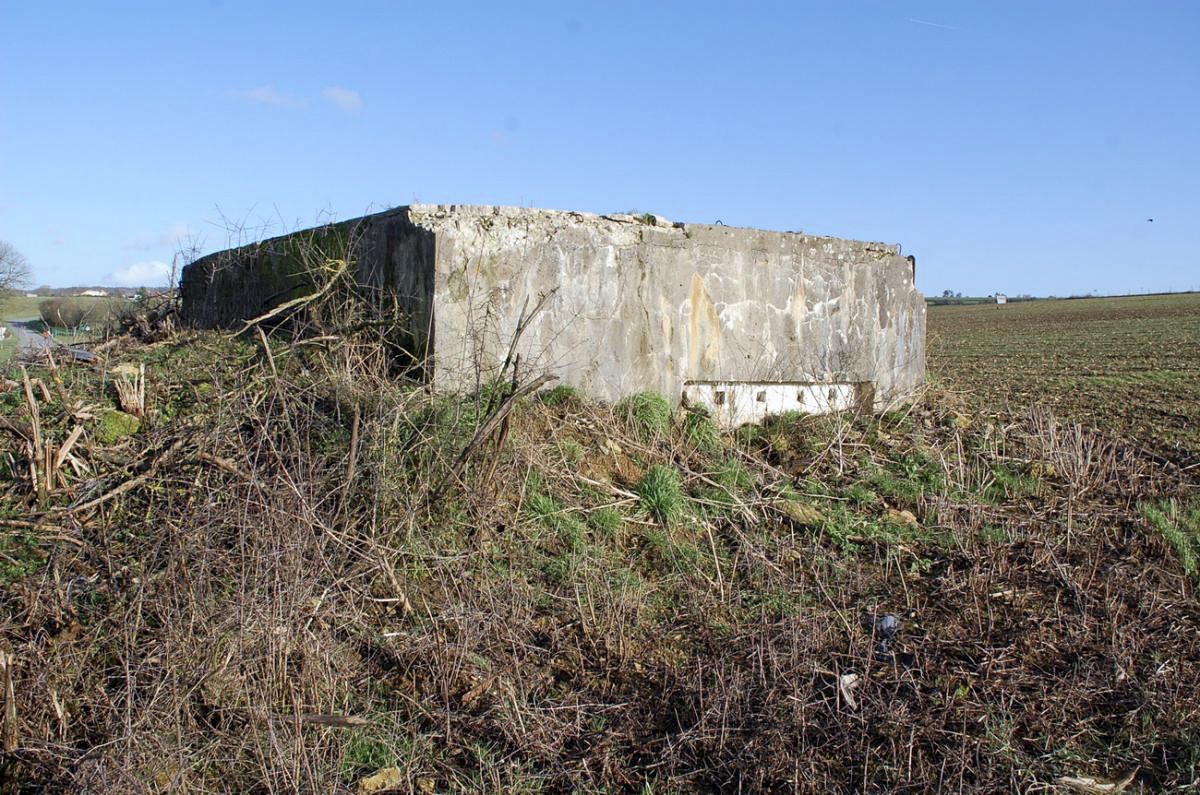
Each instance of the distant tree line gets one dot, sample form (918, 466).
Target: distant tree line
(86, 313)
(45, 291)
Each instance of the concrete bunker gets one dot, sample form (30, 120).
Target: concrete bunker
(742, 321)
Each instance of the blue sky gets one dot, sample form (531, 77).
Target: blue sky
(1011, 146)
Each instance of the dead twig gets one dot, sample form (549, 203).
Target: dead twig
(130, 484)
(485, 431)
(223, 464)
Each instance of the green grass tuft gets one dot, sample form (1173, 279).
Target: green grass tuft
(19, 555)
(571, 450)
(701, 433)
(386, 742)
(649, 414)
(1008, 484)
(547, 512)
(909, 477)
(561, 396)
(1180, 526)
(607, 520)
(733, 475)
(662, 493)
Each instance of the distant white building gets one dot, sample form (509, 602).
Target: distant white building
(94, 293)
(1001, 298)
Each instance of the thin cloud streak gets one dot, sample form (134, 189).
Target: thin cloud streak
(932, 24)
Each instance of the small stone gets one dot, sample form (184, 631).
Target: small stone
(887, 626)
(901, 517)
(884, 629)
(801, 513)
(388, 778)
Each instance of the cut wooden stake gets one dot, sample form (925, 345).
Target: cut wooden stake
(48, 468)
(131, 392)
(59, 712)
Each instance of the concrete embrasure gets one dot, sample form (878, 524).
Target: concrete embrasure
(772, 321)
(734, 403)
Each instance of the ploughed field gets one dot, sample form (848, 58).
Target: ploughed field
(1129, 366)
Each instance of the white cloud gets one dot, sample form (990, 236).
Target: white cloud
(152, 273)
(343, 98)
(173, 235)
(267, 95)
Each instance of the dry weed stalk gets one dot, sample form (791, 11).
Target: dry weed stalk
(44, 458)
(131, 392)
(8, 733)
(1086, 460)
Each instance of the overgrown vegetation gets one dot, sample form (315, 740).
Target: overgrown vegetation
(75, 314)
(297, 573)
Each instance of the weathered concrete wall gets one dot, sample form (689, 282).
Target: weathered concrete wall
(388, 252)
(743, 320)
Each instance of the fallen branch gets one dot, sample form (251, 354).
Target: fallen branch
(334, 721)
(130, 484)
